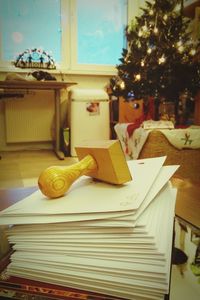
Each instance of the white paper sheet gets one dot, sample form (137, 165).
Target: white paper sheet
(96, 197)
(131, 262)
(89, 196)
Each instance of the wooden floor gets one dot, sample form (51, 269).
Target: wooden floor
(22, 168)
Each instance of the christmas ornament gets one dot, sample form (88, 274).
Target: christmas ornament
(137, 77)
(161, 60)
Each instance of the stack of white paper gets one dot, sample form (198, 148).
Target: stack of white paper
(114, 240)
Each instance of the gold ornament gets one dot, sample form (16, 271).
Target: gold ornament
(192, 52)
(144, 28)
(140, 33)
(151, 12)
(122, 85)
(180, 46)
(144, 31)
(181, 49)
(137, 77)
(165, 17)
(155, 30)
(139, 44)
(149, 50)
(179, 43)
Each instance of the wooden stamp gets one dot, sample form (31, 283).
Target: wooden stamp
(102, 160)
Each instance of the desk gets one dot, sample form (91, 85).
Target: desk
(188, 201)
(43, 85)
(188, 217)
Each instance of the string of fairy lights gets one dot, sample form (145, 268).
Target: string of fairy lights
(160, 49)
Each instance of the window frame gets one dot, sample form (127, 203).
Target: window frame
(68, 62)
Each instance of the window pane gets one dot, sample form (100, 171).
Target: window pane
(101, 25)
(30, 24)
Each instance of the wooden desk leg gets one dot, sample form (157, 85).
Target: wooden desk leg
(57, 150)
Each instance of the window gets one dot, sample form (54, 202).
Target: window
(27, 24)
(81, 35)
(102, 42)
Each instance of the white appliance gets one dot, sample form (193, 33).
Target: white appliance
(89, 116)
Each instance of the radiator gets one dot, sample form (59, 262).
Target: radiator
(30, 119)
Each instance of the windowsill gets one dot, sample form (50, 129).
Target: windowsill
(60, 71)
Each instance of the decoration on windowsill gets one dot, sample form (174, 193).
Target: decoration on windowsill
(35, 58)
(42, 76)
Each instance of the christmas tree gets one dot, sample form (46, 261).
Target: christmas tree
(160, 59)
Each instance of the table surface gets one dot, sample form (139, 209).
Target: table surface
(187, 202)
(35, 84)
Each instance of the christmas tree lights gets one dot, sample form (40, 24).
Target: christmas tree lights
(161, 55)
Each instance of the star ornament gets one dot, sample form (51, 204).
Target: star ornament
(162, 60)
